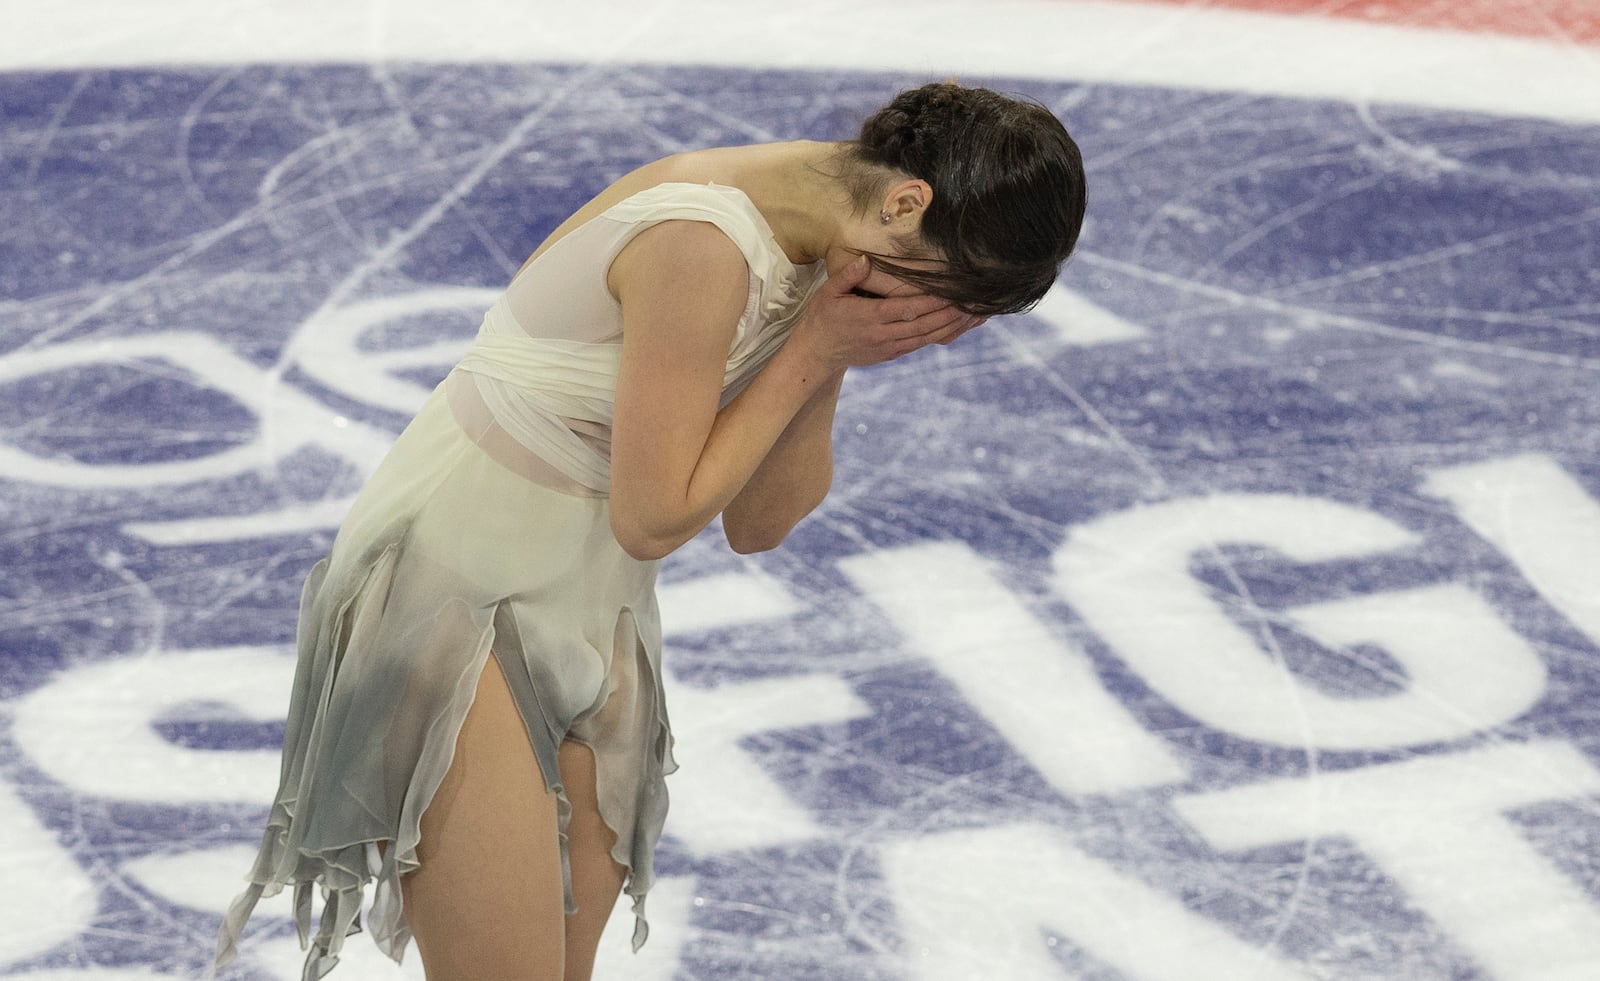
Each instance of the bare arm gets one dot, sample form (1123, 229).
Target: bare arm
(676, 462)
(798, 472)
(791, 481)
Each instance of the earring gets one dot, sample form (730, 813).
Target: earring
(884, 218)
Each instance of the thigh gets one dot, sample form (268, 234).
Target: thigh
(486, 901)
(596, 877)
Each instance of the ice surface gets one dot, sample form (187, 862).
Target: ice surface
(1230, 616)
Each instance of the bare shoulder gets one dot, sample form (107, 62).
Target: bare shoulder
(683, 265)
(693, 167)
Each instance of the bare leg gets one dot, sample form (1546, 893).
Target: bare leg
(486, 903)
(596, 877)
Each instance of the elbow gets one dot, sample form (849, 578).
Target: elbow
(750, 541)
(762, 532)
(652, 550)
(643, 543)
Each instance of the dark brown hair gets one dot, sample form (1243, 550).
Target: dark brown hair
(1008, 191)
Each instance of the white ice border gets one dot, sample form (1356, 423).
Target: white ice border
(1196, 46)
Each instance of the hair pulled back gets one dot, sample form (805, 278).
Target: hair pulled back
(1008, 191)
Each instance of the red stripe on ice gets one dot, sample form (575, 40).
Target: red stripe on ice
(1551, 20)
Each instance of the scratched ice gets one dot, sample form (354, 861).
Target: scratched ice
(1230, 616)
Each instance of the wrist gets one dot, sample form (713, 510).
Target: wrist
(809, 361)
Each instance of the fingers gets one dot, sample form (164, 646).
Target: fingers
(931, 324)
(949, 333)
(949, 330)
(883, 319)
(911, 308)
(959, 329)
(940, 327)
(851, 276)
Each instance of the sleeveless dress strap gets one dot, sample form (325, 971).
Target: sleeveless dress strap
(534, 385)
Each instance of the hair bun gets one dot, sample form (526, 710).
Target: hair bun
(910, 132)
(1007, 188)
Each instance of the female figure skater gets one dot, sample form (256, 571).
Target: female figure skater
(477, 719)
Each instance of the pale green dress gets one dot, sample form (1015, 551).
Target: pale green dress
(485, 532)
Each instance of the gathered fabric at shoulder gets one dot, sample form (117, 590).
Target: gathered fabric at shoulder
(556, 395)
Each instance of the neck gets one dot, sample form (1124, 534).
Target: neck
(797, 191)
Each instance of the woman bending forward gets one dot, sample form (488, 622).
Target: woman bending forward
(477, 720)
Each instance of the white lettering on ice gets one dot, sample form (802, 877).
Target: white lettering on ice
(1542, 520)
(1081, 323)
(1128, 575)
(93, 727)
(973, 899)
(1040, 691)
(1436, 825)
(725, 801)
(286, 418)
(326, 348)
(46, 898)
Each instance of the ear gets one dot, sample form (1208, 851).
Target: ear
(907, 199)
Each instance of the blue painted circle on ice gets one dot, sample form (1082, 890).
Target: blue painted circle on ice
(1322, 301)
